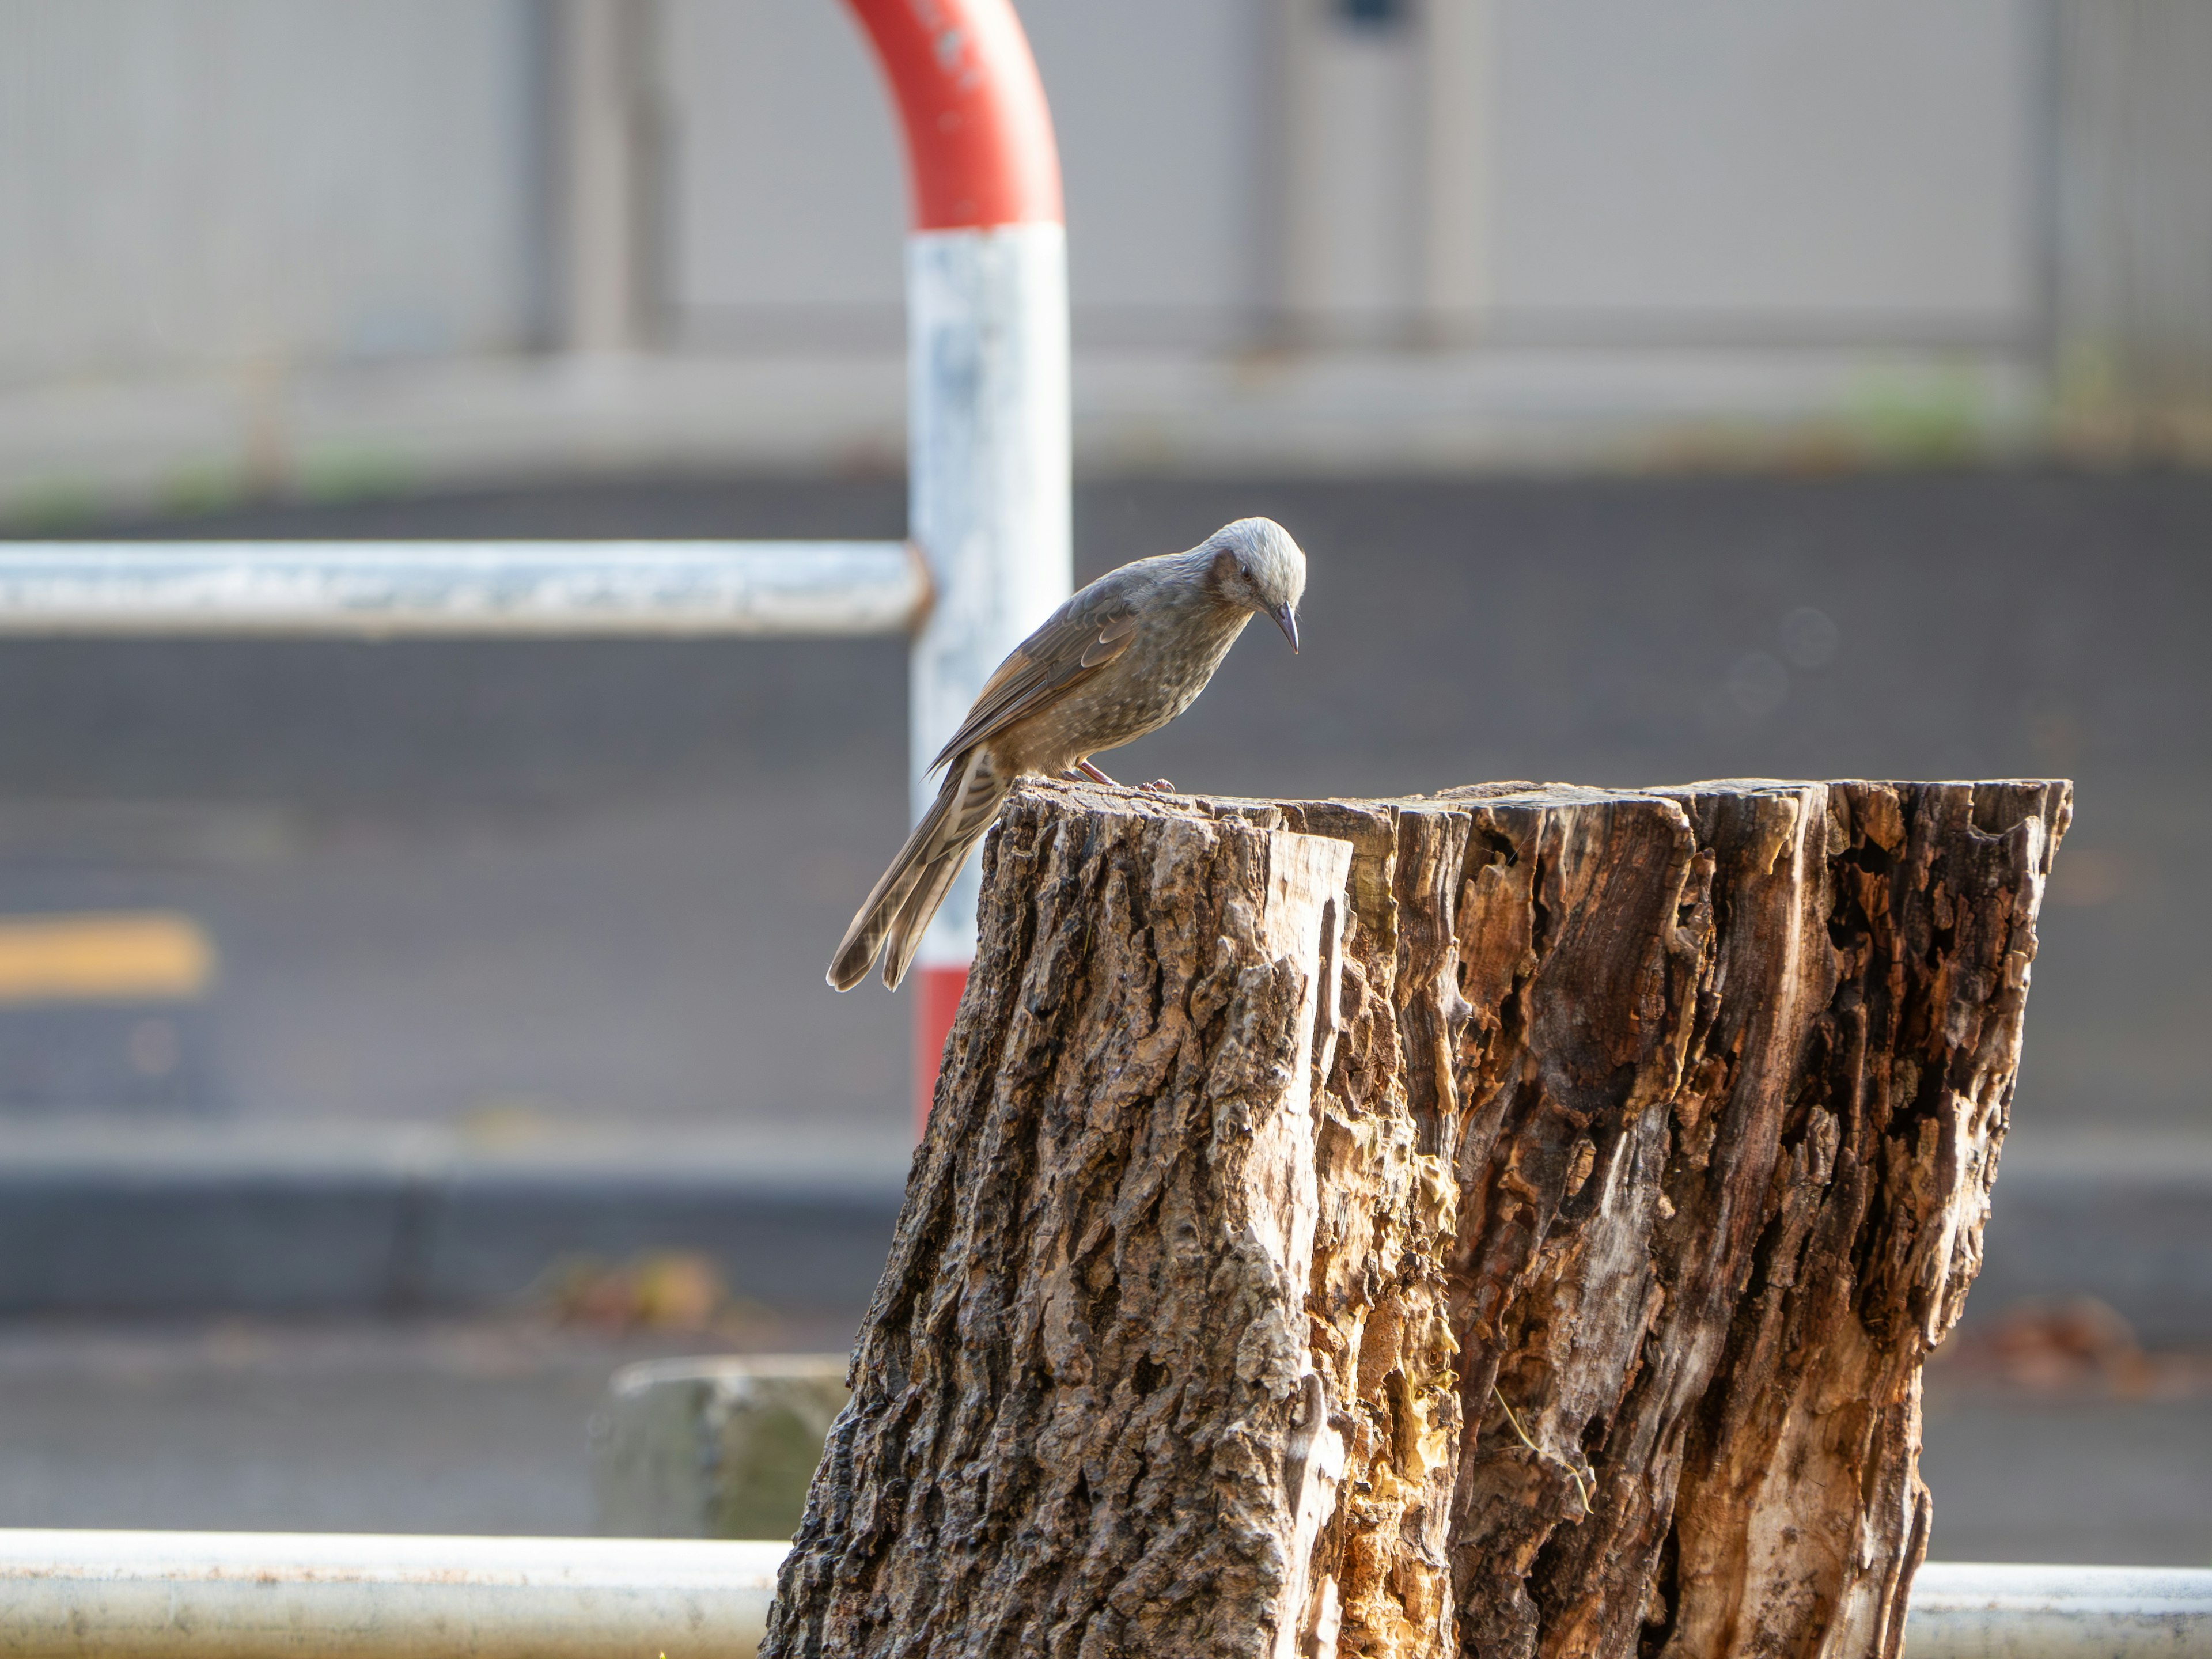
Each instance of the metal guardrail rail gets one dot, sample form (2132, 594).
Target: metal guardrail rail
(1971, 1610)
(387, 589)
(259, 1596)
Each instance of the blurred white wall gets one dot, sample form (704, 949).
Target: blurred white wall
(1352, 233)
(1713, 172)
(190, 186)
(789, 191)
(2132, 186)
(1761, 170)
(1162, 111)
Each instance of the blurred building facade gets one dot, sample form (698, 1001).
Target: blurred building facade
(328, 245)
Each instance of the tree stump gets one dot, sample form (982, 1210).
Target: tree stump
(1504, 1222)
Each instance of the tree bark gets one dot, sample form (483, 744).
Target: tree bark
(1507, 1223)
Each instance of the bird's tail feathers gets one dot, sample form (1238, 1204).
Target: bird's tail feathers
(897, 909)
(912, 922)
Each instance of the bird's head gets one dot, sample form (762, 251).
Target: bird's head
(1257, 567)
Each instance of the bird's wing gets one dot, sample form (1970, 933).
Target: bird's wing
(1077, 639)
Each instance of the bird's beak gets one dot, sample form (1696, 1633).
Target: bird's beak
(1287, 620)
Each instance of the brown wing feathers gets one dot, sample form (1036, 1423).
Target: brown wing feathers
(1069, 649)
(1113, 639)
(1066, 650)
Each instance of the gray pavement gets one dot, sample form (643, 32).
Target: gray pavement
(2017, 1477)
(483, 1428)
(443, 1428)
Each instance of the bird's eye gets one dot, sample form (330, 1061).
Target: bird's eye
(1244, 570)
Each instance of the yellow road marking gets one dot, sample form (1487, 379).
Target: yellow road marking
(112, 956)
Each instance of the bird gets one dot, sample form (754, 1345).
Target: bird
(1121, 658)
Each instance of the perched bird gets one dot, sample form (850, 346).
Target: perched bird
(1123, 656)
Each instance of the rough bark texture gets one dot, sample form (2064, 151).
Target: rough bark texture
(1507, 1223)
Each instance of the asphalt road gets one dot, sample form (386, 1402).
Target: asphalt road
(483, 1429)
(494, 883)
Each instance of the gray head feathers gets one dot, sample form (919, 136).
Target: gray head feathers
(1257, 566)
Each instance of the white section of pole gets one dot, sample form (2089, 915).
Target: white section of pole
(1973, 1610)
(987, 446)
(259, 1596)
(383, 589)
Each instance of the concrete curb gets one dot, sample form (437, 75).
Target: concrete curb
(355, 1226)
(143, 1223)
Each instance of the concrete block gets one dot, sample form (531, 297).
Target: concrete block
(713, 1448)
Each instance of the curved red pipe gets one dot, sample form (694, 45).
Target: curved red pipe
(979, 143)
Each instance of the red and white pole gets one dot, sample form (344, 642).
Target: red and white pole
(987, 393)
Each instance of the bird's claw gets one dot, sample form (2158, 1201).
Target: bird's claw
(1085, 769)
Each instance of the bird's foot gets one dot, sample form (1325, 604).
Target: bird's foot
(1157, 785)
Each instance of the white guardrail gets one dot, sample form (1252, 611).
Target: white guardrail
(338, 1595)
(259, 1596)
(1968, 1610)
(388, 589)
